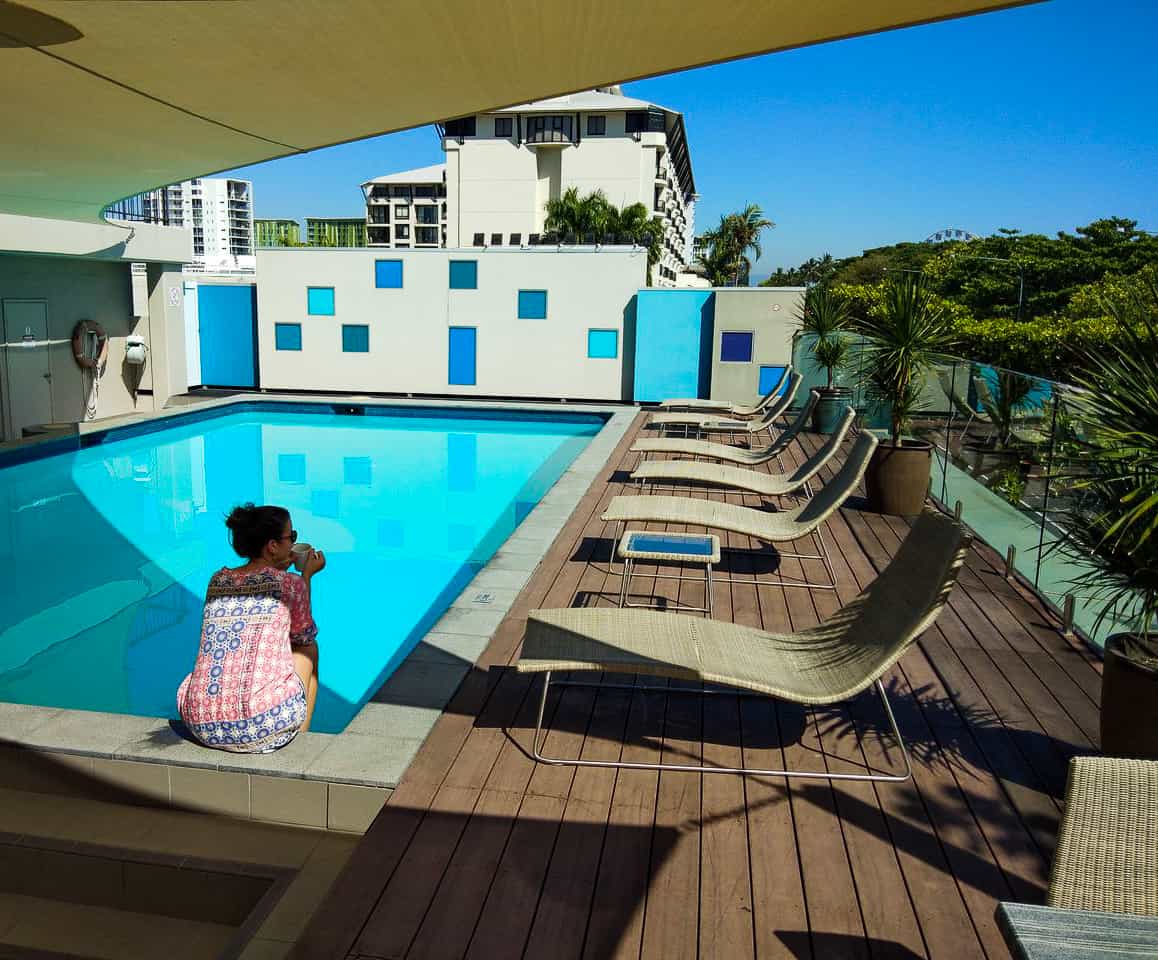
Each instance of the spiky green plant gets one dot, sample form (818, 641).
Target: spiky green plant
(906, 339)
(1006, 402)
(825, 315)
(1114, 531)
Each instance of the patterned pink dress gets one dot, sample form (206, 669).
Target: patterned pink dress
(243, 694)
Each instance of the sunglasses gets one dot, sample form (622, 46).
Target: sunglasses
(292, 537)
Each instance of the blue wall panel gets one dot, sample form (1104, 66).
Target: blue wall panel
(462, 353)
(227, 320)
(673, 344)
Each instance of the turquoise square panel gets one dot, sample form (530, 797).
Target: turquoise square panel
(388, 274)
(603, 344)
(320, 301)
(355, 339)
(287, 336)
(463, 274)
(769, 377)
(532, 304)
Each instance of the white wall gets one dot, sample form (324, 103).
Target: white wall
(74, 290)
(408, 327)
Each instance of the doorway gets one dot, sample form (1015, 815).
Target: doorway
(27, 376)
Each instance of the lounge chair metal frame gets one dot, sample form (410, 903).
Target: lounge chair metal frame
(832, 662)
(541, 757)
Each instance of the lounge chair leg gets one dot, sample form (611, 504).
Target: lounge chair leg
(539, 756)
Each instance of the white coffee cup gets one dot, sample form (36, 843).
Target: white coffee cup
(300, 551)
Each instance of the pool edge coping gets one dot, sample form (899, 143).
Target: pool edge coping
(382, 739)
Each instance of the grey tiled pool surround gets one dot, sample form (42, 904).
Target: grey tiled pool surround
(343, 778)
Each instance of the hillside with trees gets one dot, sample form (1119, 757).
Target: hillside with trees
(1025, 301)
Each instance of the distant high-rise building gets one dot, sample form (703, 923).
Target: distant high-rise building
(220, 213)
(504, 166)
(336, 231)
(277, 233)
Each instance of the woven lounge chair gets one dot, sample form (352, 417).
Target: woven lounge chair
(829, 663)
(744, 478)
(780, 527)
(727, 452)
(960, 404)
(713, 423)
(729, 408)
(1103, 891)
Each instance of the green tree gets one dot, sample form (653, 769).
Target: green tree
(732, 246)
(594, 217)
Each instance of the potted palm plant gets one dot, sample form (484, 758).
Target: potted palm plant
(825, 316)
(905, 339)
(1112, 530)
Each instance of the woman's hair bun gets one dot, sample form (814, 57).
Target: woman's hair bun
(252, 527)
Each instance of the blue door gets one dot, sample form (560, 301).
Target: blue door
(227, 322)
(462, 355)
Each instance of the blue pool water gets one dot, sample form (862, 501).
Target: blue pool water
(106, 550)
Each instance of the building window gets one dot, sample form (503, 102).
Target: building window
(400, 191)
(355, 338)
(532, 304)
(736, 347)
(388, 274)
(426, 236)
(596, 125)
(402, 212)
(426, 213)
(462, 127)
(603, 344)
(320, 301)
(516, 239)
(479, 239)
(549, 129)
(424, 192)
(401, 231)
(769, 377)
(287, 336)
(463, 274)
(496, 239)
(503, 126)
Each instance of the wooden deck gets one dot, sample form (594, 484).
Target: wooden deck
(482, 853)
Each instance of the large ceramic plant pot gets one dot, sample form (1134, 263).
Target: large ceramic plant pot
(897, 477)
(1129, 700)
(829, 408)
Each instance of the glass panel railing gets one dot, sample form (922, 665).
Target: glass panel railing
(1006, 448)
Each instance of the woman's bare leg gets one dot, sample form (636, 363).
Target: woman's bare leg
(306, 667)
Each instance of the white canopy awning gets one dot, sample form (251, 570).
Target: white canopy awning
(103, 99)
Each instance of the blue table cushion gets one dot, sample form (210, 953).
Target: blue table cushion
(694, 545)
(1051, 933)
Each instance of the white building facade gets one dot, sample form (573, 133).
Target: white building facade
(503, 167)
(220, 213)
(498, 322)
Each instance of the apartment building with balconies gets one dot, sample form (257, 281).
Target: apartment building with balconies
(408, 209)
(502, 168)
(219, 211)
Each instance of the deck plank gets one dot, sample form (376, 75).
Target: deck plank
(480, 852)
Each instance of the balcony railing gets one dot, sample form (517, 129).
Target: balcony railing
(548, 136)
(146, 208)
(1008, 451)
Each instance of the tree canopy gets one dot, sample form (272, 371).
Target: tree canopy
(1022, 300)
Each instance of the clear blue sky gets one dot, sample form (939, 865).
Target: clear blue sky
(1040, 118)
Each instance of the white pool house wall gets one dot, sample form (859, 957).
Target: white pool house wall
(409, 328)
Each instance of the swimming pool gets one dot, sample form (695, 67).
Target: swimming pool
(107, 549)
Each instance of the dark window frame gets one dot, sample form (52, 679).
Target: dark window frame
(596, 125)
(504, 127)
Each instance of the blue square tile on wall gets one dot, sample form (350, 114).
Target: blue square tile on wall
(291, 467)
(388, 274)
(320, 301)
(287, 336)
(602, 344)
(770, 376)
(463, 274)
(735, 347)
(355, 338)
(532, 304)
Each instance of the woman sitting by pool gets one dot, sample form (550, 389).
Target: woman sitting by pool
(253, 687)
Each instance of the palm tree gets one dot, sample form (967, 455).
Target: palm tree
(594, 216)
(726, 259)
